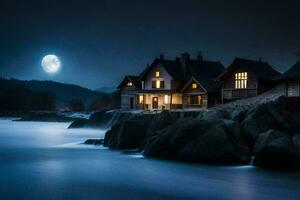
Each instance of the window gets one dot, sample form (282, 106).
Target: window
(158, 84)
(241, 80)
(194, 86)
(157, 74)
(129, 84)
(162, 84)
(141, 99)
(195, 100)
(167, 97)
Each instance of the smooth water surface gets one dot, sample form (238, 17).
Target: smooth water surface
(46, 161)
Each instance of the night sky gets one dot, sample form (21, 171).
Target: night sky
(100, 41)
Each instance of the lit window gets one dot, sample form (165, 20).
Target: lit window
(157, 74)
(241, 80)
(129, 84)
(141, 99)
(166, 99)
(194, 85)
(157, 84)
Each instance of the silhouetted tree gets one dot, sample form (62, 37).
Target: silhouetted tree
(19, 98)
(76, 105)
(109, 101)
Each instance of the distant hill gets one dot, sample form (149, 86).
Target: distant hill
(107, 89)
(64, 93)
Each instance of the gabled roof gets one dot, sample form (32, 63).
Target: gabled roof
(293, 72)
(263, 70)
(173, 67)
(201, 69)
(131, 78)
(209, 85)
(197, 68)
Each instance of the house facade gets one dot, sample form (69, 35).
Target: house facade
(291, 81)
(173, 84)
(247, 78)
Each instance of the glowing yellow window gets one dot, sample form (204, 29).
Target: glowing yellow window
(157, 84)
(129, 84)
(167, 99)
(241, 80)
(157, 74)
(194, 86)
(141, 99)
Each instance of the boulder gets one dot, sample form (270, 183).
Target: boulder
(194, 140)
(78, 123)
(160, 121)
(296, 144)
(282, 114)
(213, 114)
(273, 149)
(126, 135)
(94, 142)
(97, 119)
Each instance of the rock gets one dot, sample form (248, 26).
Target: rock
(257, 121)
(97, 119)
(296, 144)
(45, 117)
(126, 135)
(195, 140)
(94, 141)
(214, 114)
(282, 114)
(161, 121)
(273, 149)
(78, 123)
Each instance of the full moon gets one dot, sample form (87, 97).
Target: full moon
(51, 63)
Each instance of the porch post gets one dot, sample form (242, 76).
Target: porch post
(171, 101)
(144, 96)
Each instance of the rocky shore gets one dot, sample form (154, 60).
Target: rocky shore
(47, 116)
(268, 132)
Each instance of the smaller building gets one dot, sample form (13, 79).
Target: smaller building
(129, 87)
(247, 78)
(199, 92)
(291, 81)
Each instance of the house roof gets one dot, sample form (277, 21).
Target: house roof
(198, 68)
(293, 72)
(131, 78)
(209, 85)
(173, 67)
(201, 69)
(263, 70)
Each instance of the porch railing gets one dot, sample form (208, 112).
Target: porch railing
(238, 93)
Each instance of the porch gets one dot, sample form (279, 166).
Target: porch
(194, 101)
(159, 101)
(238, 93)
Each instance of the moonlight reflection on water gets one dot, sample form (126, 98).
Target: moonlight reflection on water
(46, 161)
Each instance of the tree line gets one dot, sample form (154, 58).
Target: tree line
(20, 98)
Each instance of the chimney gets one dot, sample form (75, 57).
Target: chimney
(161, 56)
(200, 57)
(259, 59)
(185, 57)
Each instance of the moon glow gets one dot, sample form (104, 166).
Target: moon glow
(51, 63)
